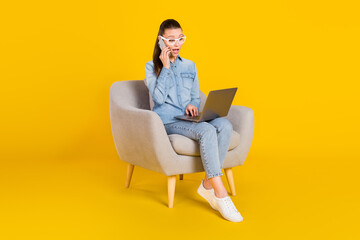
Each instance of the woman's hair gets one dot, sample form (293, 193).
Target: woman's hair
(167, 24)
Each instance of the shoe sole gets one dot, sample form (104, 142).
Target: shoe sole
(204, 196)
(230, 219)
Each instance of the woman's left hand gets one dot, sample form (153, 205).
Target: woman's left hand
(192, 110)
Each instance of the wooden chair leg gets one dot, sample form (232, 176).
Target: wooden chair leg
(171, 190)
(129, 172)
(181, 176)
(230, 179)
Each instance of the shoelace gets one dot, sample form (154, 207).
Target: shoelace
(230, 204)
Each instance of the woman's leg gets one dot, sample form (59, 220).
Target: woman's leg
(224, 132)
(206, 135)
(218, 185)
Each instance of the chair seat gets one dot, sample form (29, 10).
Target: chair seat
(187, 146)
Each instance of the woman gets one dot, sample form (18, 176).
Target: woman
(174, 87)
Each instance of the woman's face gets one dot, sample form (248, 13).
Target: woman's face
(173, 34)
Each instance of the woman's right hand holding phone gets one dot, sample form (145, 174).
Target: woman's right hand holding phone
(164, 57)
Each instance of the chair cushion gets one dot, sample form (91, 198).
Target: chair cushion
(150, 98)
(186, 146)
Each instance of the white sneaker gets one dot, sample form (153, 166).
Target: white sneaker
(208, 194)
(227, 209)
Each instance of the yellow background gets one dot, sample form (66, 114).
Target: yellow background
(296, 64)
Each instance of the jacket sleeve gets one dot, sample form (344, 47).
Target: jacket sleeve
(159, 86)
(195, 91)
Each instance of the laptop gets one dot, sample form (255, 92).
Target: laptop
(217, 104)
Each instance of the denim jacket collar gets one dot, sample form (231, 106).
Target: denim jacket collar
(178, 57)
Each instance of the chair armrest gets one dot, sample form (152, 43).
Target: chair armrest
(140, 137)
(242, 119)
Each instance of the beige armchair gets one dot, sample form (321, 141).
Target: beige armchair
(141, 140)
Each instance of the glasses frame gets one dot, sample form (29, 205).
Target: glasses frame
(176, 40)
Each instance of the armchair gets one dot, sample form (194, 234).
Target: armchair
(141, 140)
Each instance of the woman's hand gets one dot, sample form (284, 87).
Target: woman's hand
(164, 57)
(192, 110)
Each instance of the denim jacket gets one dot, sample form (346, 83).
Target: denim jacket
(174, 89)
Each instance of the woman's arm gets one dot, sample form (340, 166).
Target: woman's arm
(159, 86)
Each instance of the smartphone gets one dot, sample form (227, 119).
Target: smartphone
(161, 44)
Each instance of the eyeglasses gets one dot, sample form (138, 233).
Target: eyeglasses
(173, 41)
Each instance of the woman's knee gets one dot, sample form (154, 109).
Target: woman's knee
(225, 125)
(229, 125)
(206, 129)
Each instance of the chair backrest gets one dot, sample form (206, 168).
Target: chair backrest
(134, 93)
(130, 93)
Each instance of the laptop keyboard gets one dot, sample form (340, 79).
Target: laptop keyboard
(193, 117)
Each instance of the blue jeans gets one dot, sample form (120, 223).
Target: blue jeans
(214, 137)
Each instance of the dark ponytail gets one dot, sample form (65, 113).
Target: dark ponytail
(167, 24)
